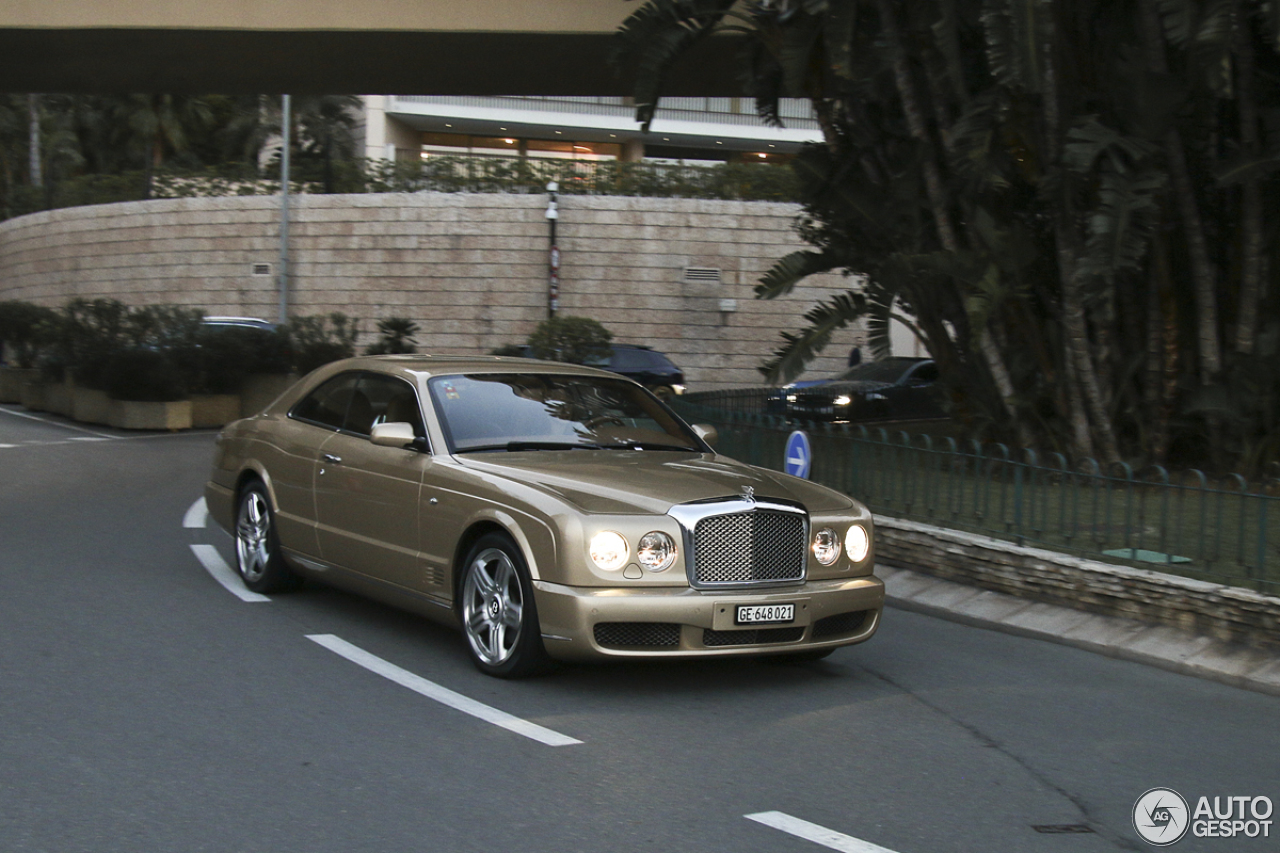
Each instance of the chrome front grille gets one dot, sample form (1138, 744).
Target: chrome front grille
(744, 543)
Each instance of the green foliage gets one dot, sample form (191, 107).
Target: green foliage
(24, 329)
(317, 340)
(577, 340)
(395, 336)
(145, 375)
(1056, 195)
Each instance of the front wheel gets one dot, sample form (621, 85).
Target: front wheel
(258, 557)
(499, 616)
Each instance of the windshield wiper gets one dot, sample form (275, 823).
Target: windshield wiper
(516, 446)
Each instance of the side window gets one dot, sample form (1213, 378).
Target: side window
(327, 405)
(383, 400)
(927, 374)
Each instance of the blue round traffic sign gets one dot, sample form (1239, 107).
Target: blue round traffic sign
(797, 458)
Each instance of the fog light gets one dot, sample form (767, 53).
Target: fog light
(826, 546)
(656, 551)
(857, 543)
(609, 550)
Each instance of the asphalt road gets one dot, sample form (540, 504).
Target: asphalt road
(143, 707)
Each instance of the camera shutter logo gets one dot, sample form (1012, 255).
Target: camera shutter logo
(1161, 817)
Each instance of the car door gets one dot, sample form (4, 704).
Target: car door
(367, 496)
(311, 422)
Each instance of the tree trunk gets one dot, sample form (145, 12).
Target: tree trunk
(33, 122)
(1202, 271)
(1250, 192)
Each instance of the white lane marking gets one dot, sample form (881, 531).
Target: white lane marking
(197, 515)
(92, 438)
(223, 574)
(29, 417)
(828, 838)
(443, 695)
(7, 446)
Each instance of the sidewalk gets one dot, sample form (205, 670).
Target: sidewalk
(1155, 645)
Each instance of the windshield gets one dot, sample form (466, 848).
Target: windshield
(525, 411)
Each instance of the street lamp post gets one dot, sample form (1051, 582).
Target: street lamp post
(553, 285)
(286, 120)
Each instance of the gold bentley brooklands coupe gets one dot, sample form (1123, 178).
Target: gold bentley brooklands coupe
(552, 511)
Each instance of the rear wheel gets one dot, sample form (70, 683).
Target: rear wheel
(499, 616)
(258, 557)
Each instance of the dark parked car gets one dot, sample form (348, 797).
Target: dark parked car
(647, 366)
(895, 388)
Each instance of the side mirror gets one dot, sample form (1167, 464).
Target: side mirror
(707, 433)
(393, 435)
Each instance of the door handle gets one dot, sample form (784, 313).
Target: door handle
(334, 460)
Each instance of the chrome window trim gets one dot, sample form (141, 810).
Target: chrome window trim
(688, 515)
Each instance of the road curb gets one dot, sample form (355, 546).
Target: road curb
(1126, 639)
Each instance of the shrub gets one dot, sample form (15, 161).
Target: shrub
(572, 339)
(395, 336)
(229, 354)
(25, 329)
(317, 340)
(145, 375)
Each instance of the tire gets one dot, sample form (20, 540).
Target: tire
(258, 558)
(665, 393)
(498, 612)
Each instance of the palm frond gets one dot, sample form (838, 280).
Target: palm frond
(789, 270)
(823, 320)
(652, 37)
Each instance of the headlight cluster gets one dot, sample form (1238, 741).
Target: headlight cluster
(656, 551)
(827, 545)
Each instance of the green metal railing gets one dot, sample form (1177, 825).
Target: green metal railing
(1225, 530)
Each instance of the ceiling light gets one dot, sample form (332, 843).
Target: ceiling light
(771, 145)
(613, 136)
(513, 142)
(448, 125)
(762, 156)
(559, 131)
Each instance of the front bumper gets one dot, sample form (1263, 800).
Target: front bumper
(586, 624)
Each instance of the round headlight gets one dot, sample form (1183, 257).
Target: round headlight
(857, 543)
(826, 546)
(656, 551)
(609, 550)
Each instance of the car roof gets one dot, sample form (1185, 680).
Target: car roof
(427, 364)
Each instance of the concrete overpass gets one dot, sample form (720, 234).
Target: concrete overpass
(439, 47)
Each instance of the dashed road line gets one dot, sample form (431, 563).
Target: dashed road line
(440, 694)
(224, 574)
(197, 515)
(828, 838)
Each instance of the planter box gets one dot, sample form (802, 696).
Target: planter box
(214, 410)
(261, 390)
(58, 399)
(33, 395)
(90, 407)
(129, 414)
(12, 382)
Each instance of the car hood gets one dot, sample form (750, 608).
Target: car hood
(630, 482)
(857, 387)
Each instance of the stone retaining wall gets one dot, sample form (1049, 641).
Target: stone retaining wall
(470, 268)
(1227, 613)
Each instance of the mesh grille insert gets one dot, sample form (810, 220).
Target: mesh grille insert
(630, 634)
(844, 623)
(747, 547)
(751, 637)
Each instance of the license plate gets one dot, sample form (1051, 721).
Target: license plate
(765, 614)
